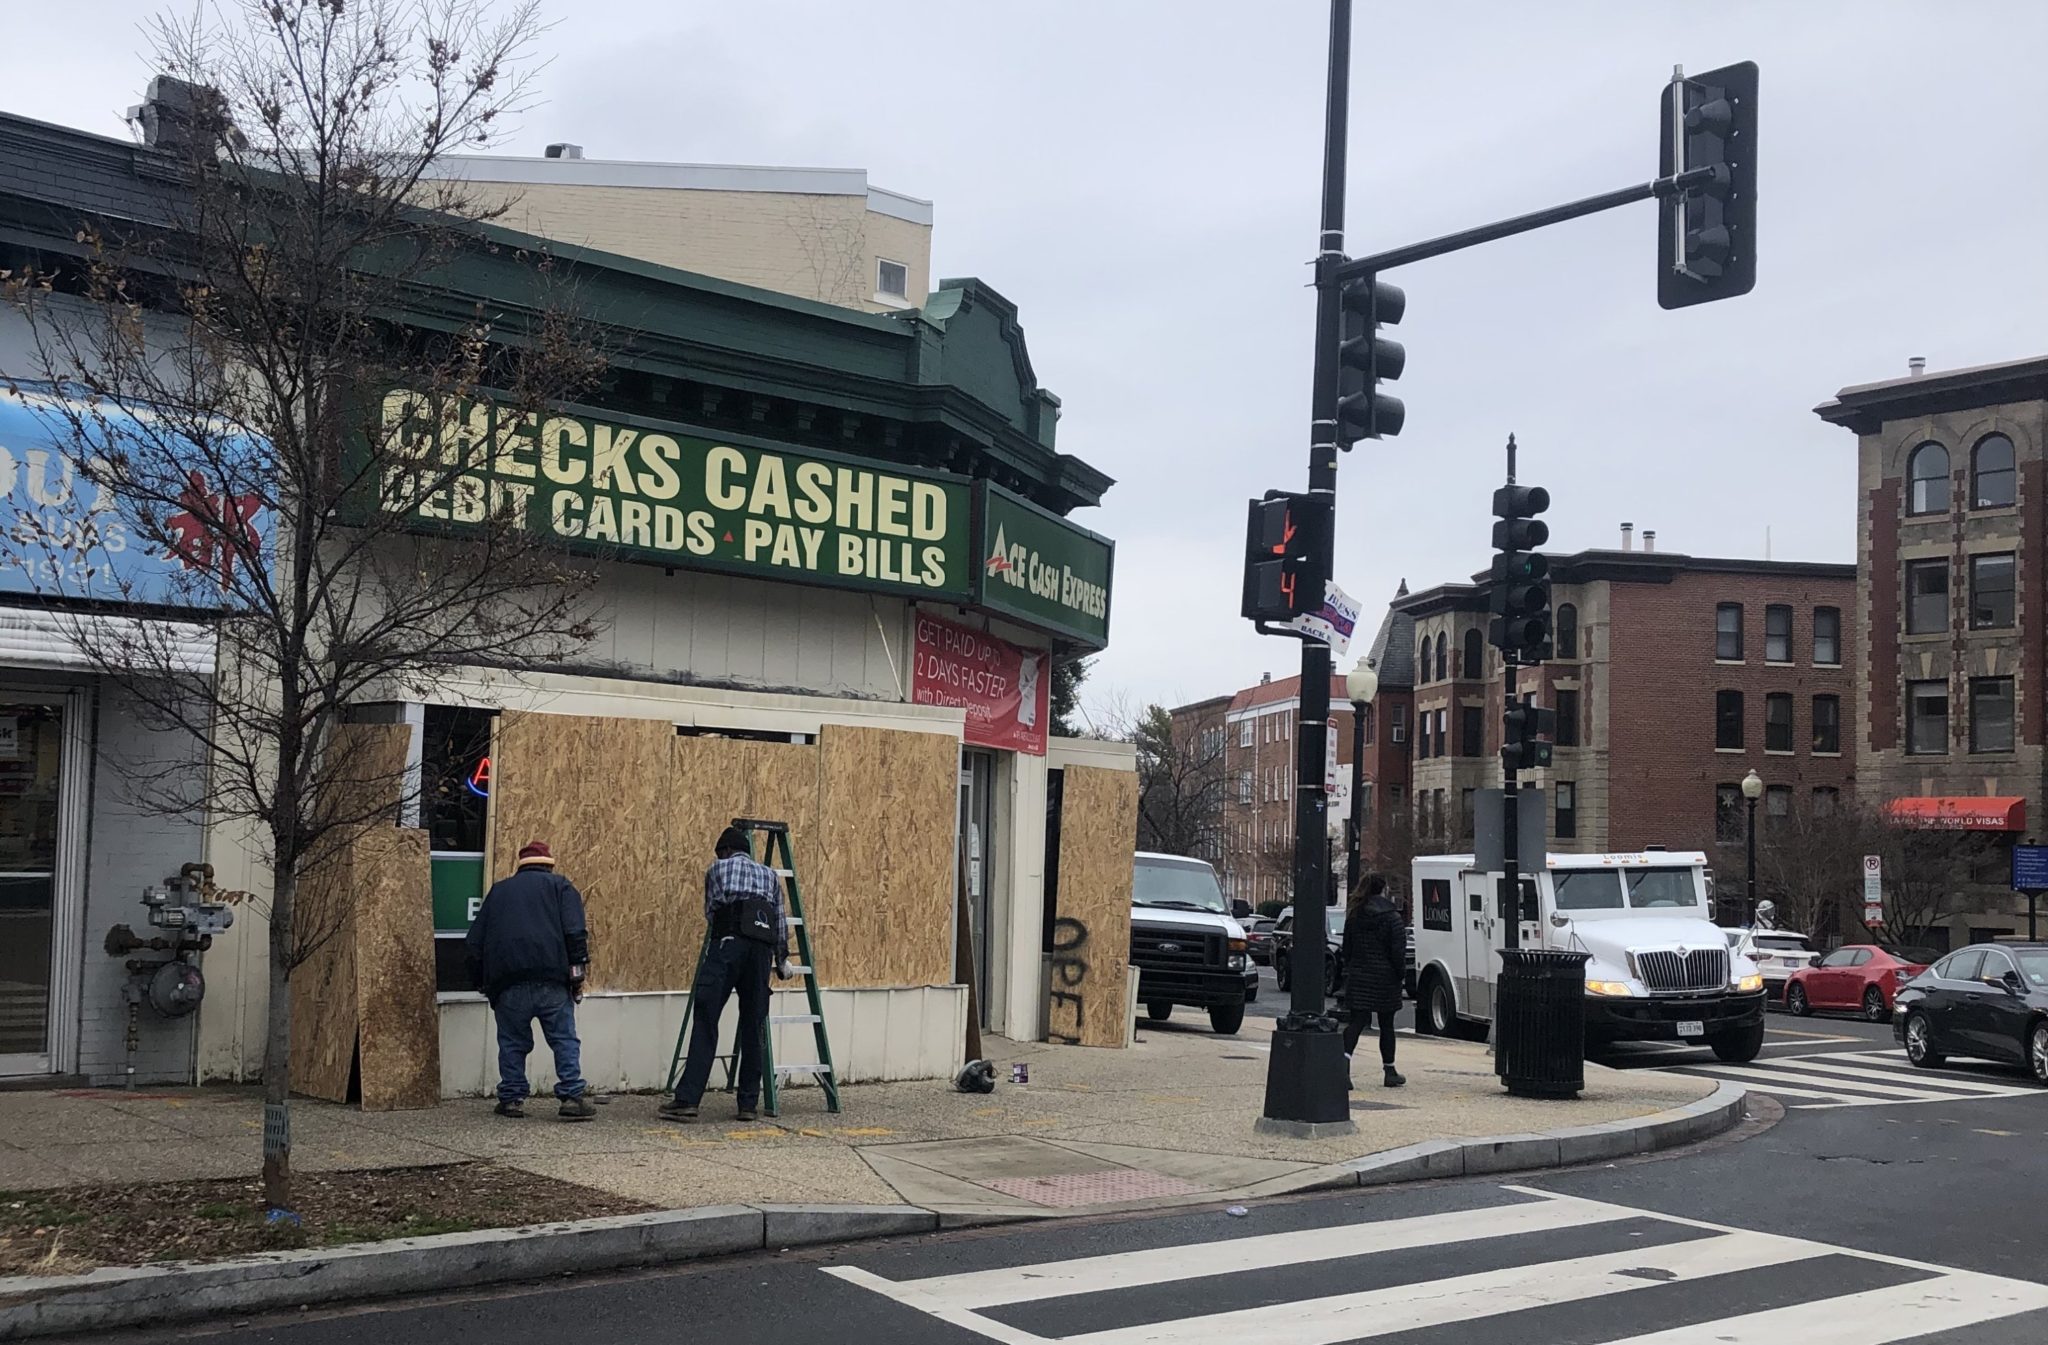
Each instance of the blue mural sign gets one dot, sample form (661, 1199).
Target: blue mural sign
(62, 534)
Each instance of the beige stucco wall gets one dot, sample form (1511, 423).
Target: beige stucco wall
(813, 246)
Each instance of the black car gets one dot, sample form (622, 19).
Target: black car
(1988, 1001)
(1333, 958)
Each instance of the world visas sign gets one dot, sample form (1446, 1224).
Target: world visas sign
(639, 490)
(1005, 690)
(1040, 569)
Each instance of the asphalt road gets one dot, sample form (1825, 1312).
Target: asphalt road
(1858, 1215)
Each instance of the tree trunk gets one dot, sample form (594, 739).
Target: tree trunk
(277, 1048)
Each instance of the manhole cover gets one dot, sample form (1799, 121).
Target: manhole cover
(1093, 1188)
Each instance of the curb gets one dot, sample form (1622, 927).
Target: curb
(159, 1295)
(1719, 1111)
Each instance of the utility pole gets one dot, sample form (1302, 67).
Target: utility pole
(1306, 1079)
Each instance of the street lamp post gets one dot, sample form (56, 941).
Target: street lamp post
(1752, 790)
(1362, 683)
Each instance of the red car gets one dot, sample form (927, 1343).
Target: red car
(1859, 977)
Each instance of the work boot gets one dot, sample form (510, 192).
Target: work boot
(749, 1113)
(1394, 1079)
(578, 1108)
(676, 1111)
(510, 1110)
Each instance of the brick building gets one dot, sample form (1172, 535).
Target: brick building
(1253, 850)
(1951, 713)
(1674, 677)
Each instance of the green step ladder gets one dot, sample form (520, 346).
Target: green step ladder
(776, 854)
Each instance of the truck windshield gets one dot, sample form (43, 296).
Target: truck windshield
(1662, 888)
(1587, 889)
(1182, 887)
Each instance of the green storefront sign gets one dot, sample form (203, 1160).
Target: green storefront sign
(1040, 569)
(638, 490)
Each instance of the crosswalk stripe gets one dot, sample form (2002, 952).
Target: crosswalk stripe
(1873, 1317)
(1938, 1299)
(1923, 1078)
(1829, 1097)
(1162, 1265)
(1464, 1298)
(1767, 1077)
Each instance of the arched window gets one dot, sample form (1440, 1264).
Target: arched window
(1443, 656)
(1422, 660)
(1567, 631)
(1993, 483)
(1475, 656)
(1927, 480)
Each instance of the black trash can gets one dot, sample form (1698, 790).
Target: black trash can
(1539, 1022)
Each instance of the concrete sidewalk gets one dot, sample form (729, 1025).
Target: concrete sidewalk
(1169, 1121)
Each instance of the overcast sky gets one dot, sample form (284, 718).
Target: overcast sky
(1141, 177)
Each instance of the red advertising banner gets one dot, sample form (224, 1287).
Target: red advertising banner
(1006, 691)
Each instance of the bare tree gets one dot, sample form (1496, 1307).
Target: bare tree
(834, 247)
(1925, 872)
(1810, 863)
(243, 391)
(1180, 785)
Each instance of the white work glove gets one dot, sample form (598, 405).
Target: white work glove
(783, 970)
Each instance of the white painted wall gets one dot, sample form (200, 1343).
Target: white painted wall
(628, 1040)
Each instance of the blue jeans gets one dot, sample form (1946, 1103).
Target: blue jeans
(515, 1009)
(733, 965)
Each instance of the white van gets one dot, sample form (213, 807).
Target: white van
(1659, 969)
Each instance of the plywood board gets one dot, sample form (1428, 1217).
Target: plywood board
(1092, 934)
(323, 987)
(882, 913)
(708, 790)
(398, 1024)
(363, 773)
(594, 789)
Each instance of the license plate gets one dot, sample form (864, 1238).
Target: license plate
(1692, 1028)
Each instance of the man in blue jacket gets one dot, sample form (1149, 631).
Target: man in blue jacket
(528, 949)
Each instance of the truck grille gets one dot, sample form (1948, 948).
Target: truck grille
(1669, 971)
(1164, 947)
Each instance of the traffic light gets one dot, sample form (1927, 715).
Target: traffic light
(1525, 742)
(1365, 359)
(1287, 547)
(1706, 236)
(1519, 595)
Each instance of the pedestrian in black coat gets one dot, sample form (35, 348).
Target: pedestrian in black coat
(1375, 955)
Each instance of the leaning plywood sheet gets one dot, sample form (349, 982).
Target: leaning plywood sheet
(398, 1024)
(596, 790)
(1092, 935)
(883, 909)
(363, 773)
(324, 984)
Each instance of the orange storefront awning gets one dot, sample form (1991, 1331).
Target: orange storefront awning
(1960, 814)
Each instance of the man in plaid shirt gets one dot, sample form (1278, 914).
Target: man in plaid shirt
(742, 901)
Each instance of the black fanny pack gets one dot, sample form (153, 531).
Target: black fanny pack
(750, 918)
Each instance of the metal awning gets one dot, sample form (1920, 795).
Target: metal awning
(1960, 814)
(32, 637)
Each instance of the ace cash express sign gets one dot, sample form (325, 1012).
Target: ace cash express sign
(1006, 690)
(640, 491)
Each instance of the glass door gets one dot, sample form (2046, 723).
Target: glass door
(977, 785)
(31, 752)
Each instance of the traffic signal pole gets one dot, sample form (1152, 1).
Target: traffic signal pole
(1510, 786)
(1306, 1077)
